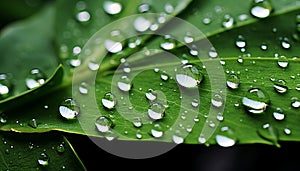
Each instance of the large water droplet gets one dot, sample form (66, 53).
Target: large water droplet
(233, 81)
(109, 101)
(35, 78)
(295, 102)
(114, 44)
(103, 124)
(69, 109)
(43, 159)
(177, 137)
(142, 24)
(261, 8)
(156, 111)
(156, 131)
(6, 86)
(280, 86)
(256, 101)
(189, 76)
(168, 43)
(226, 137)
(217, 100)
(112, 8)
(124, 84)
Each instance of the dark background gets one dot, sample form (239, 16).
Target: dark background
(185, 157)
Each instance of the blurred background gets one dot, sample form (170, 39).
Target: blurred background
(185, 157)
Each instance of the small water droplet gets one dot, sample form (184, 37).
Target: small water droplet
(283, 62)
(137, 122)
(110, 135)
(94, 66)
(241, 42)
(114, 44)
(194, 50)
(202, 139)
(212, 53)
(6, 86)
(261, 8)
(280, 86)
(169, 8)
(151, 95)
(103, 124)
(189, 76)
(43, 159)
(217, 100)
(195, 103)
(83, 16)
(83, 88)
(228, 21)
(143, 8)
(285, 43)
(124, 84)
(35, 78)
(156, 131)
(287, 131)
(69, 109)
(177, 138)
(206, 21)
(142, 24)
(256, 101)
(278, 114)
(109, 101)
(226, 137)
(156, 111)
(112, 8)
(60, 148)
(263, 46)
(33, 123)
(168, 43)
(295, 102)
(188, 38)
(233, 81)
(3, 118)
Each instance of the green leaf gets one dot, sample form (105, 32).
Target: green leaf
(24, 151)
(26, 45)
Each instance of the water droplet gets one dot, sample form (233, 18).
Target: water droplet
(112, 8)
(217, 100)
(206, 21)
(168, 43)
(69, 109)
(5, 86)
(195, 103)
(212, 53)
(261, 8)
(43, 159)
(156, 111)
(124, 84)
(202, 139)
(142, 24)
(60, 148)
(189, 76)
(287, 131)
(156, 131)
(285, 43)
(240, 42)
(139, 135)
(33, 123)
(269, 133)
(109, 101)
(83, 88)
(188, 38)
(280, 86)
(177, 138)
(144, 8)
(194, 50)
(295, 102)
(3, 118)
(137, 122)
(35, 78)
(169, 8)
(103, 124)
(283, 62)
(263, 46)
(83, 16)
(228, 21)
(114, 44)
(256, 101)
(94, 66)
(233, 81)
(226, 137)
(151, 95)
(278, 114)
(110, 135)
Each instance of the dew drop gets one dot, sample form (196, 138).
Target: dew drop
(69, 109)
(109, 101)
(263, 47)
(112, 8)
(269, 133)
(283, 62)
(124, 84)
(156, 131)
(188, 38)
(94, 66)
(43, 159)
(33, 123)
(226, 137)
(195, 103)
(212, 53)
(256, 101)
(35, 78)
(280, 86)
(114, 44)
(206, 21)
(240, 42)
(168, 43)
(144, 8)
(202, 139)
(83, 16)
(278, 114)
(156, 111)
(217, 100)
(285, 43)
(177, 138)
(287, 131)
(103, 124)
(295, 102)
(3, 118)
(261, 8)
(169, 8)
(142, 24)
(83, 88)
(228, 21)
(137, 122)
(233, 81)
(189, 76)
(6, 86)
(151, 95)
(60, 148)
